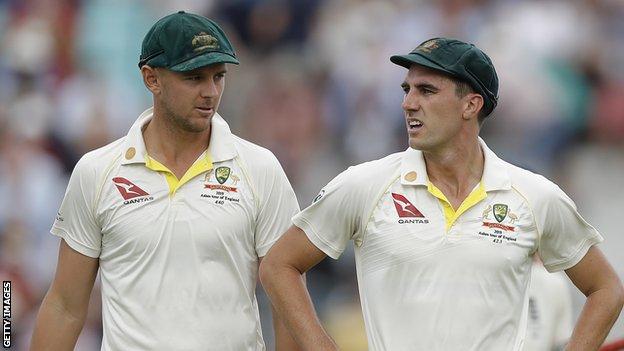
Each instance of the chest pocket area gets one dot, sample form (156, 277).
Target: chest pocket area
(400, 226)
(400, 230)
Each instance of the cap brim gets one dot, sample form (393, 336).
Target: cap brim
(207, 59)
(415, 59)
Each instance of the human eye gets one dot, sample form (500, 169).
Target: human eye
(193, 78)
(219, 76)
(426, 91)
(405, 88)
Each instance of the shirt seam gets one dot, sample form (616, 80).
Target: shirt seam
(376, 202)
(252, 187)
(96, 201)
(533, 217)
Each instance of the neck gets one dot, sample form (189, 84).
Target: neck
(456, 168)
(172, 146)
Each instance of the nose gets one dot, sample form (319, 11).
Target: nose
(411, 102)
(209, 89)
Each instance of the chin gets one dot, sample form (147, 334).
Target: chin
(417, 144)
(197, 126)
(422, 145)
(201, 127)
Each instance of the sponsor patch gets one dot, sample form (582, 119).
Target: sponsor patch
(407, 212)
(131, 192)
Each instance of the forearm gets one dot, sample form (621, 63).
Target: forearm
(601, 310)
(289, 296)
(56, 328)
(283, 340)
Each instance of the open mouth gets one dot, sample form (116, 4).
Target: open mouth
(414, 125)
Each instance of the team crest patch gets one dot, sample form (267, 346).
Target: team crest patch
(204, 41)
(500, 212)
(223, 173)
(225, 179)
(505, 219)
(428, 46)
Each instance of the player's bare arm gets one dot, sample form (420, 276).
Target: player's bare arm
(283, 340)
(595, 278)
(281, 273)
(64, 308)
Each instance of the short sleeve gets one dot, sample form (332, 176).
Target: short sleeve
(278, 203)
(334, 217)
(75, 221)
(566, 236)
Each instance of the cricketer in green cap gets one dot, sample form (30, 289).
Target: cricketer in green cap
(183, 63)
(185, 41)
(188, 211)
(442, 229)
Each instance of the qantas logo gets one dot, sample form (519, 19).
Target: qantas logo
(405, 209)
(129, 191)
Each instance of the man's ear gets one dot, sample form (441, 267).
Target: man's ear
(472, 106)
(151, 79)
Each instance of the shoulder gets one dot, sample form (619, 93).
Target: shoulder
(97, 161)
(368, 178)
(380, 170)
(253, 155)
(382, 165)
(535, 187)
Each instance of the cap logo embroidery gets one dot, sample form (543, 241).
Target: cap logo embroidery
(204, 41)
(428, 46)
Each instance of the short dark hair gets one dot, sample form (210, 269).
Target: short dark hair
(463, 88)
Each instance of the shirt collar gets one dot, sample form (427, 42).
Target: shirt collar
(495, 174)
(413, 169)
(221, 147)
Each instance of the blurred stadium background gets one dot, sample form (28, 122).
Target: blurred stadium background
(315, 86)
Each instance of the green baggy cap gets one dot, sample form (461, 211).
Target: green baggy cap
(184, 42)
(460, 60)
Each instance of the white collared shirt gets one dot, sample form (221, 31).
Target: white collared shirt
(178, 266)
(430, 283)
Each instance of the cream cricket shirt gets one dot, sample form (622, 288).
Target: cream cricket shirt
(432, 278)
(178, 258)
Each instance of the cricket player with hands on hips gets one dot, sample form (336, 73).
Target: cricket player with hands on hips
(445, 231)
(176, 215)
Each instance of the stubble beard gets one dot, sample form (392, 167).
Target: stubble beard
(180, 123)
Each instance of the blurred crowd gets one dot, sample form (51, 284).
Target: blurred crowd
(315, 86)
